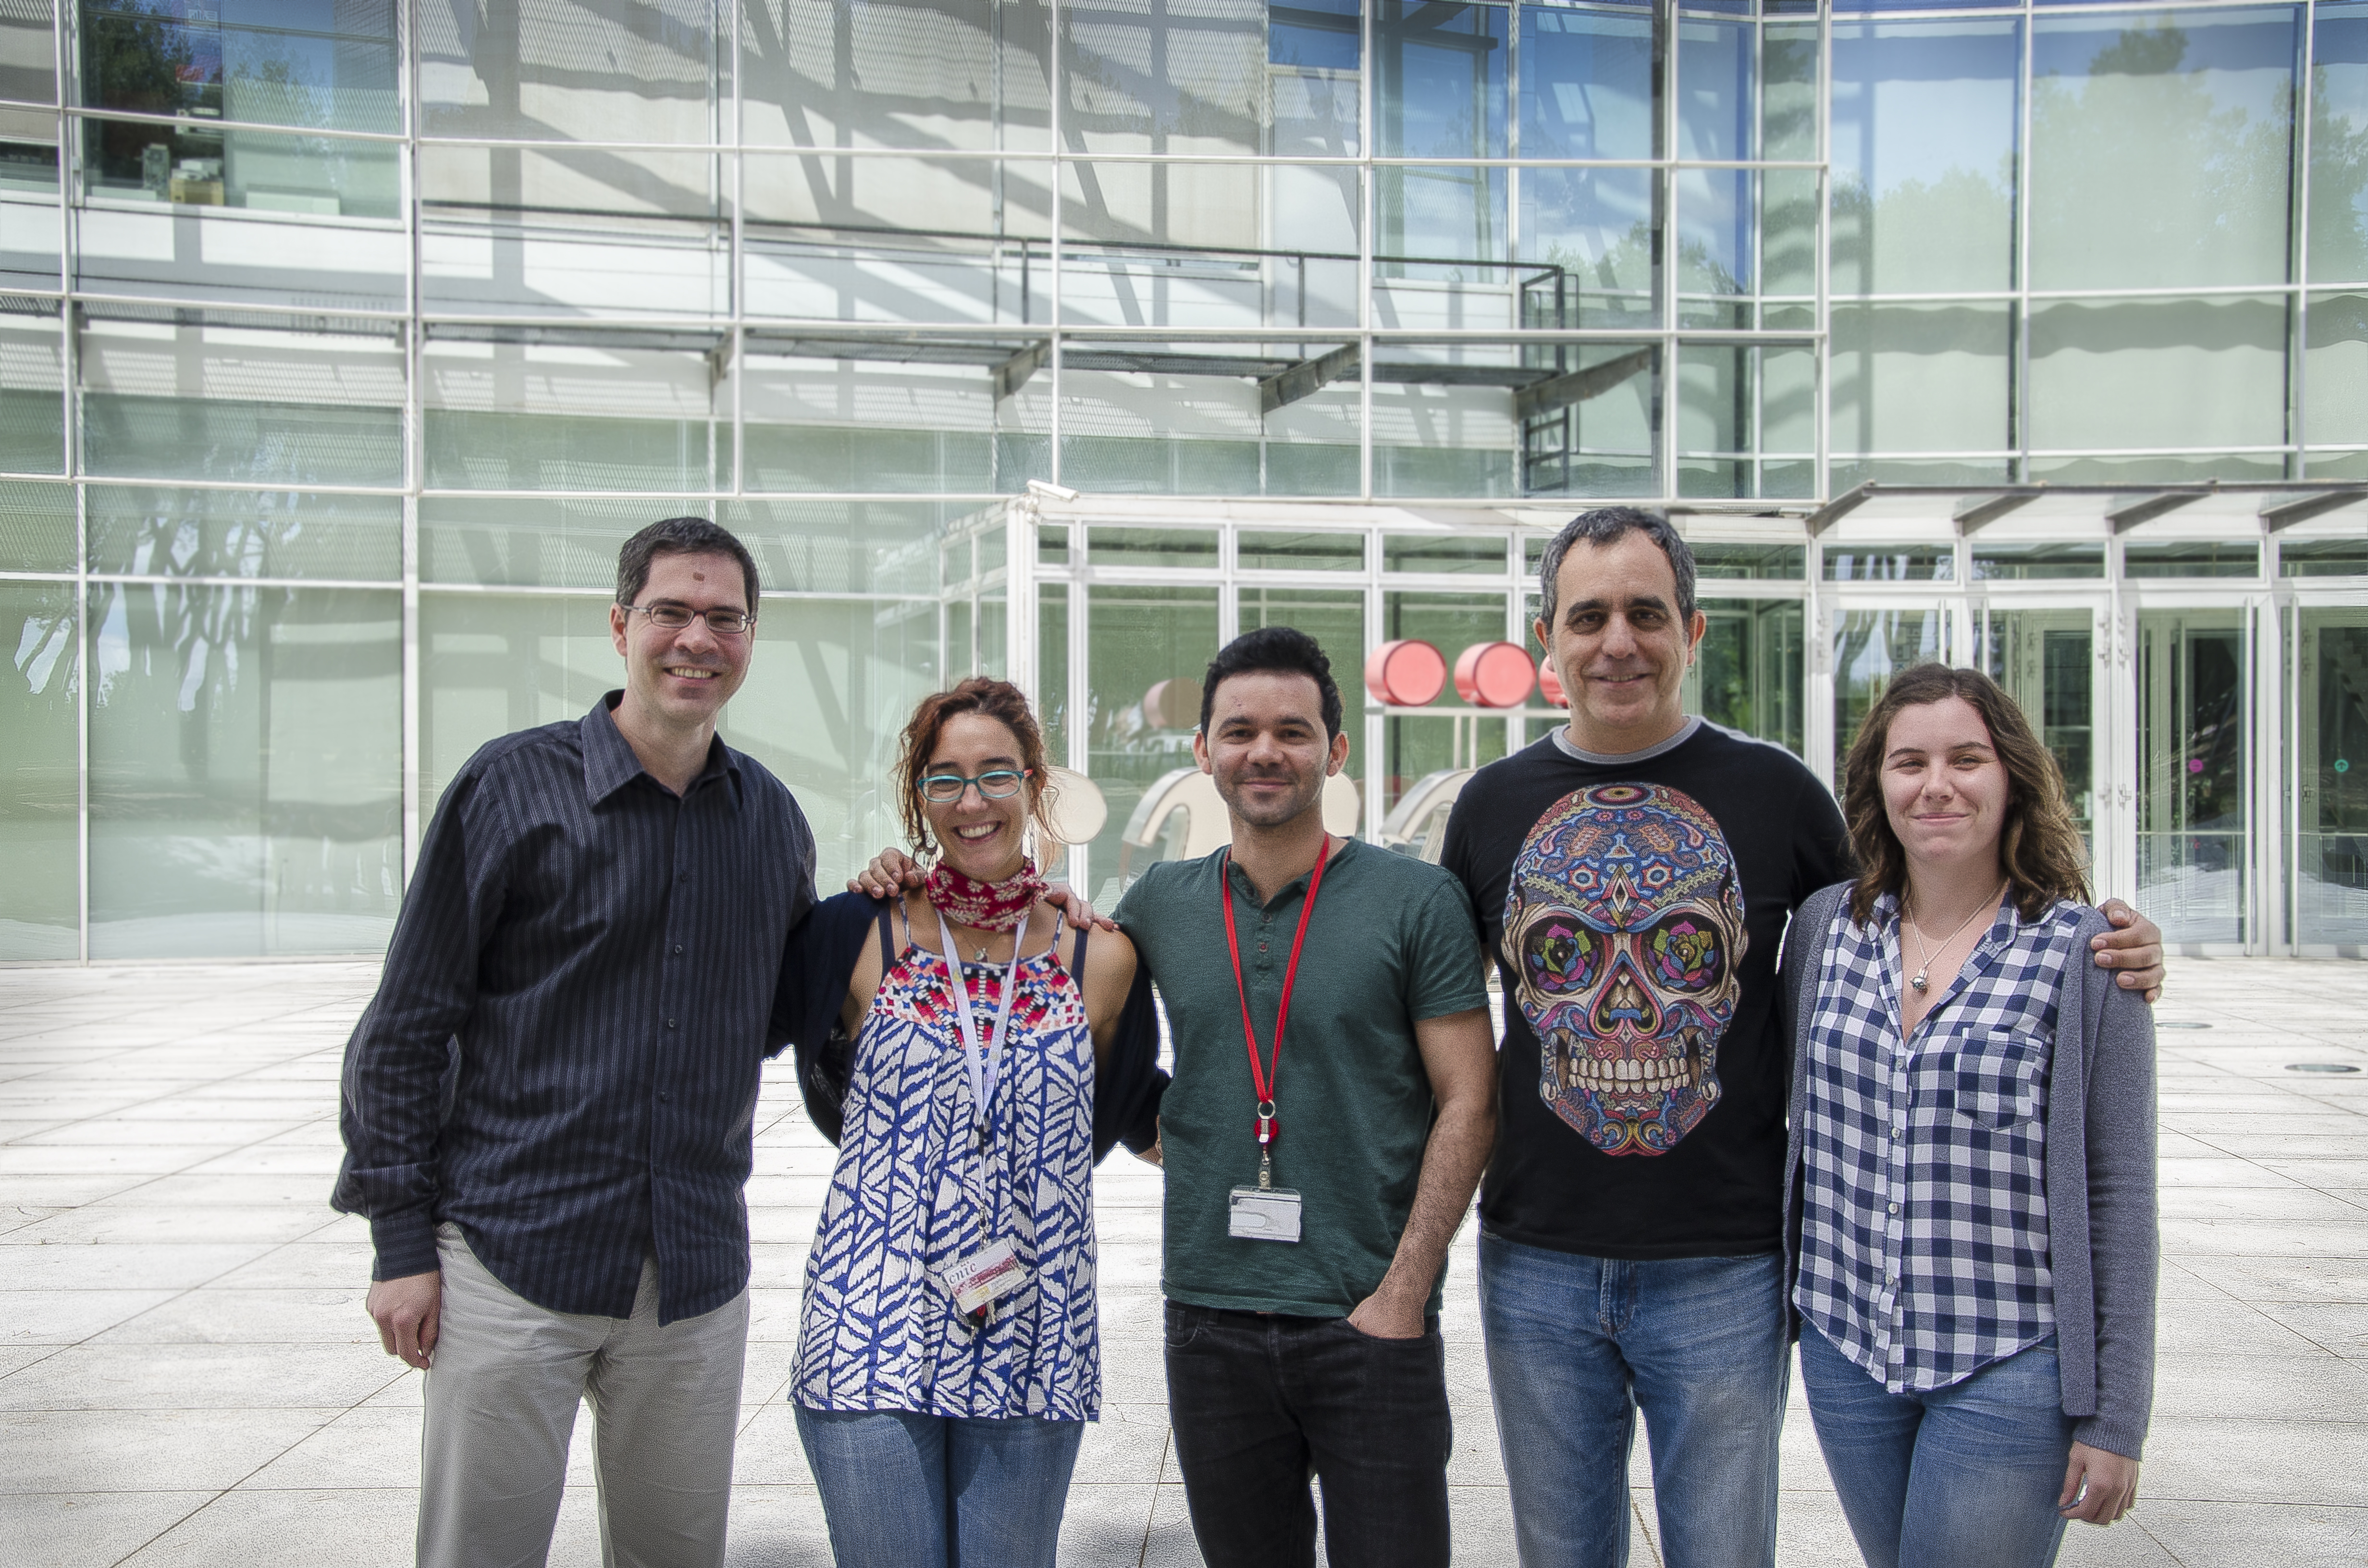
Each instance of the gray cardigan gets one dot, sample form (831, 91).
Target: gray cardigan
(2102, 1242)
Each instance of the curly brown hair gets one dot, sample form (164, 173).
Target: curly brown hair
(2038, 844)
(997, 700)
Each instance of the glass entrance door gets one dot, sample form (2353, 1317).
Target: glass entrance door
(2330, 768)
(2194, 821)
(2046, 661)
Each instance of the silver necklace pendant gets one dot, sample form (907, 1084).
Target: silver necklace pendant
(1919, 981)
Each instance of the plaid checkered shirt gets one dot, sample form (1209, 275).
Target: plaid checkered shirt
(1924, 1213)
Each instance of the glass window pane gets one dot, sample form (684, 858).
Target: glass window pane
(1211, 245)
(830, 688)
(1594, 227)
(1756, 562)
(510, 264)
(2323, 558)
(192, 166)
(1714, 248)
(2147, 373)
(2044, 659)
(1748, 672)
(1336, 619)
(1716, 101)
(1870, 647)
(803, 196)
(1915, 211)
(1415, 747)
(844, 547)
(519, 182)
(1152, 547)
(1140, 730)
(1164, 76)
(1889, 563)
(245, 770)
(244, 533)
(524, 541)
(2329, 760)
(2193, 558)
(2159, 148)
(1921, 378)
(162, 399)
(1194, 418)
(1270, 549)
(1787, 237)
(29, 70)
(2339, 147)
(330, 64)
(1315, 35)
(32, 381)
(31, 241)
(1457, 554)
(2193, 723)
(1739, 403)
(546, 70)
(2335, 369)
(36, 527)
(1439, 88)
(600, 413)
(1450, 622)
(40, 877)
(807, 271)
(1587, 425)
(492, 663)
(2037, 562)
(1788, 110)
(1052, 695)
(923, 74)
(1587, 85)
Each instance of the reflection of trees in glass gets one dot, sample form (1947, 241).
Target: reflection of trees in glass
(2340, 766)
(2142, 174)
(145, 59)
(1955, 230)
(2339, 187)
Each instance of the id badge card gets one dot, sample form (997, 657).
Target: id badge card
(984, 1277)
(1263, 1213)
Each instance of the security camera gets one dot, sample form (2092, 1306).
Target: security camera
(1051, 491)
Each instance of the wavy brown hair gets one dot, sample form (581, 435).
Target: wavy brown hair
(2039, 844)
(999, 700)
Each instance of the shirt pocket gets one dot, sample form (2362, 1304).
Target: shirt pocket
(1998, 1077)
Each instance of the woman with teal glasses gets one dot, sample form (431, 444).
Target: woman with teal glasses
(973, 1061)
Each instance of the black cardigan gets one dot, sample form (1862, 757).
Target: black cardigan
(821, 959)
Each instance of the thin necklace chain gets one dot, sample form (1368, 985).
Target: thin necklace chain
(1922, 977)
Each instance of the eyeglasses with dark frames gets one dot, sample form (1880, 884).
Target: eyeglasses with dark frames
(995, 784)
(673, 618)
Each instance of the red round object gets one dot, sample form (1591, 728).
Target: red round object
(1494, 674)
(1408, 673)
(1550, 684)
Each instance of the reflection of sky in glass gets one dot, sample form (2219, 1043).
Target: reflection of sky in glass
(1587, 85)
(2244, 60)
(1913, 100)
(1715, 231)
(1442, 80)
(1581, 217)
(1715, 95)
(1314, 35)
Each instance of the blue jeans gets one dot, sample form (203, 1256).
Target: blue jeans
(1578, 1345)
(900, 1489)
(1962, 1477)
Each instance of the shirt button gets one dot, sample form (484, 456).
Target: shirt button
(678, 947)
(669, 1023)
(682, 876)
(1261, 947)
(1894, 1209)
(666, 1099)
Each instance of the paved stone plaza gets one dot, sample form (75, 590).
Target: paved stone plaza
(186, 1376)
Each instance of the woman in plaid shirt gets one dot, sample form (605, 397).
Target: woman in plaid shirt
(1971, 1170)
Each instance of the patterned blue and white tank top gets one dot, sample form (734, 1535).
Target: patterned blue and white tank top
(878, 1329)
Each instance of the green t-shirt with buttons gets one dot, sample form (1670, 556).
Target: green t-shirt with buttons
(1392, 942)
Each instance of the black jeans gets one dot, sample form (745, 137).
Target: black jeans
(1258, 1402)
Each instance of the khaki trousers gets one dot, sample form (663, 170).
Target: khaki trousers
(501, 1406)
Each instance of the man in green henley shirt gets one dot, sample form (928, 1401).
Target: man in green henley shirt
(1320, 1354)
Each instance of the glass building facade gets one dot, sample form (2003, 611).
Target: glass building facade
(342, 342)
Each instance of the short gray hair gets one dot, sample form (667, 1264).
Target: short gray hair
(1609, 525)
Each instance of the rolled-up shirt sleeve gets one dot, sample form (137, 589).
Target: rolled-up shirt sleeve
(396, 1063)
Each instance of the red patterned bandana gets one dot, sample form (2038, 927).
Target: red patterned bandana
(985, 906)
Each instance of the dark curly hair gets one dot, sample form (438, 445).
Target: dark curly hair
(2039, 844)
(997, 700)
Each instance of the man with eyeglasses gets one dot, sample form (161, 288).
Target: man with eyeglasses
(547, 1106)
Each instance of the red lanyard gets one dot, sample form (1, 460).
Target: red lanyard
(1262, 1077)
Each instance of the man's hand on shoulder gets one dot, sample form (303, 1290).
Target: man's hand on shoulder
(408, 1312)
(2133, 946)
(891, 873)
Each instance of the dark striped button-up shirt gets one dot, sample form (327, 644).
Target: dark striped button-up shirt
(563, 1052)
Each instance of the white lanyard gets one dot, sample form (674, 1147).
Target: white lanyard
(985, 1069)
